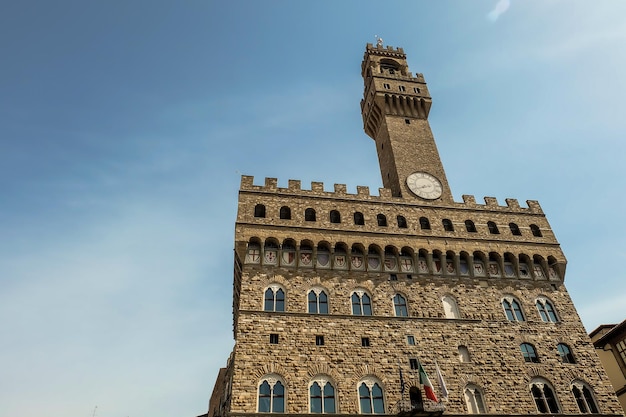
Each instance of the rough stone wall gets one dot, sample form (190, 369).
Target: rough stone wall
(497, 365)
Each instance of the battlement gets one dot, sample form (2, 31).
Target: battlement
(385, 51)
(340, 191)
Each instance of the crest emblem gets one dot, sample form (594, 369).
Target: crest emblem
(305, 258)
(357, 262)
(270, 256)
(373, 263)
(289, 257)
(322, 259)
(406, 265)
(390, 263)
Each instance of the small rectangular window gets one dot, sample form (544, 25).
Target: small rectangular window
(365, 341)
(273, 338)
(393, 277)
(401, 88)
(319, 340)
(409, 276)
(407, 121)
(417, 90)
(413, 363)
(410, 340)
(387, 86)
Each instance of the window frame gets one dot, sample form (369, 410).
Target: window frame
(360, 294)
(512, 313)
(276, 290)
(474, 399)
(544, 406)
(585, 398)
(318, 302)
(374, 406)
(565, 352)
(272, 382)
(529, 353)
(285, 213)
(259, 211)
(400, 305)
(322, 383)
(546, 310)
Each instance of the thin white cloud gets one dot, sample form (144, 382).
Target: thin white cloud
(500, 7)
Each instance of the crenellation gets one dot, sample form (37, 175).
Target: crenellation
(340, 189)
(512, 203)
(317, 186)
(271, 183)
(491, 202)
(247, 182)
(534, 206)
(469, 200)
(363, 194)
(363, 190)
(294, 185)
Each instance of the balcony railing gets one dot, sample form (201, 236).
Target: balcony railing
(406, 408)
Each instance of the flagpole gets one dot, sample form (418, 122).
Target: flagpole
(442, 383)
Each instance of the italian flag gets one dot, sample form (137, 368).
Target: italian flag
(428, 386)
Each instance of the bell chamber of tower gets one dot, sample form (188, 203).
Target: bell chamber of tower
(395, 109)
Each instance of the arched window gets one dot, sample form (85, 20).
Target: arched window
(493, 228)
(464, 355)
(450, 307)
(469, 226)
(399, 305)
(515, 229)
(546, 310)
(271, 396)
(309, 215)
(529, 353)
(285, 213)
(358, 218)
(584, 398)
(535, 229)
(259, 210)
(565, 353)
(361, 304)
(512, 310)
(544, 397)
(402, 222)
(447, 225)
(474, 399)
(335, 217)
(371, 399)
(322, 397)
(318, 302)
(274, 299)
(424, 223)
(382, 220)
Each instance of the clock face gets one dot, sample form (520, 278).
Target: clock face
(424, 185)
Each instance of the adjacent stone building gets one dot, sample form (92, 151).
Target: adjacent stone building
(341, 299)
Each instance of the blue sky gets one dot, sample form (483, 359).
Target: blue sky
(125, 127)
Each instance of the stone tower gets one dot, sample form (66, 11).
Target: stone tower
(343, 302)
(395, 109)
